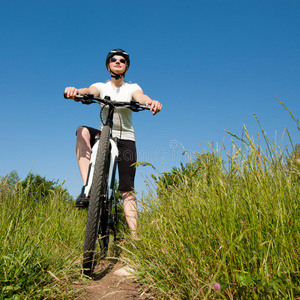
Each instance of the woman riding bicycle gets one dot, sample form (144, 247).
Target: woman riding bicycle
(117, 64)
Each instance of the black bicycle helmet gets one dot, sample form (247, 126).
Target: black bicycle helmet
(120, 52)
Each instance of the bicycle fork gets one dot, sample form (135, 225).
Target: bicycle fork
(112, 168)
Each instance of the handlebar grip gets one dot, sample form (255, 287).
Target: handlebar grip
(78, 95)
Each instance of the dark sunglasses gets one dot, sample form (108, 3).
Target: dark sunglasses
(121, 60)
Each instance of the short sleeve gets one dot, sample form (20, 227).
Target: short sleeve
(99, 86)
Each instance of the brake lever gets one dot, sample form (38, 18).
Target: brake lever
(135, 106)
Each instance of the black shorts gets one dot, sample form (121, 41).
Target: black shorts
(127, 157)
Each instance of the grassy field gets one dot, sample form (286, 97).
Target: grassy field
(40, 245)
(210, 231)
(207, 230)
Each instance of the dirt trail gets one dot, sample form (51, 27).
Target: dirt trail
(106, 284)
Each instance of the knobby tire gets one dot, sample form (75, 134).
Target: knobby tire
(96, 216)
(104, 228)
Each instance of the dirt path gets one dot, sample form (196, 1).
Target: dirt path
(106, 284)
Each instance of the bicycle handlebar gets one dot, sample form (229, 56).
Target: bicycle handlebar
(90, 98)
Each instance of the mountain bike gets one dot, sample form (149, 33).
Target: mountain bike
(99, 188)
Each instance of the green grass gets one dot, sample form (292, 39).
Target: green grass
(41, 243)
(208, 230)
(238, 228)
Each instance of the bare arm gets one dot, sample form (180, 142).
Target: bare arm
(140, 97)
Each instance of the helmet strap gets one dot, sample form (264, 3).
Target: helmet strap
(116, 76)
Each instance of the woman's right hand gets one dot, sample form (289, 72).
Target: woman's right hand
(70, 92)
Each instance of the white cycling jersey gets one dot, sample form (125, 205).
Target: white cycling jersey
(122, 121)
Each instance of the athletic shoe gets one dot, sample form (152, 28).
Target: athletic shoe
(82, 201)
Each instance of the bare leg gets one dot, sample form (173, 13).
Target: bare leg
(83, 152)
(130, 210)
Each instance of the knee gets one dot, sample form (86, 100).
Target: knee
(128, 195)
(83, 133)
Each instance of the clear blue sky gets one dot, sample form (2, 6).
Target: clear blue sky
(211, 63)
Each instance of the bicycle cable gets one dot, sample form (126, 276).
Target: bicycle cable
(115, 111)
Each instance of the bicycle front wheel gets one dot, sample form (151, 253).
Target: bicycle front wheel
(97, 200)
